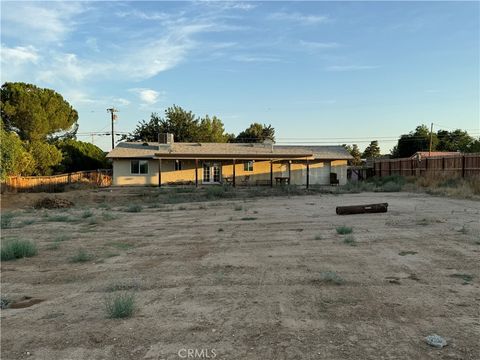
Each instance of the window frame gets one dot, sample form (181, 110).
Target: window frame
(248, 166)
(138, 167)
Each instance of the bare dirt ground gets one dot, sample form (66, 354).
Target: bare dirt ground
(244, 279)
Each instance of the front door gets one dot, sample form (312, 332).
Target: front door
(211, 173)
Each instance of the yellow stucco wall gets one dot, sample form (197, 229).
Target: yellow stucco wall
(123, 176)
(319, 172)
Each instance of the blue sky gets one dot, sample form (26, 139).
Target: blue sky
(336, 72)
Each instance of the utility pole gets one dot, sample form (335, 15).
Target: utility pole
(431, 140)
(112, 111)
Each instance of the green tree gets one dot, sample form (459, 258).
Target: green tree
(372, 150)
(45, 157)
(79, 155)
(15, 159)
(457, 140)
(256, 133)
(418, 140)
(184, 126)
(355, 152)
(35, 113)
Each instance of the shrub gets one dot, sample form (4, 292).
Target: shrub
(318, 237)
(107, 216)
(134, 208)
(218, 192)
(343, 230)
(87, 214)
(120, 305)
(350, 240)
(248, 218)
(4, 302)
(17, 249)
(331, 277)
(390, 186)
(6, 220)
(81, 256)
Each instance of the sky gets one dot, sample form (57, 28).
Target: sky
(318, 72)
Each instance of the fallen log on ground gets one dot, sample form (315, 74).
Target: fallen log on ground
(362, 209)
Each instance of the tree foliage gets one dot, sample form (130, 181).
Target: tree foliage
(457, 140)
(355, 152)
(45, 157)
(256, 133)
(15, 159)
(184, 126)
(35, 113)
(372, 150)
(417, 140)
(80, 155)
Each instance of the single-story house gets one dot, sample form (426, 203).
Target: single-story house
(169, 162)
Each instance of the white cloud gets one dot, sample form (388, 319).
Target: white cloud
(300, 18)
(121, 101)
(340, 68)
(313, 45)
(148, 96)
(19, 54)
(42, 21)
(254, 58)
(142, 15)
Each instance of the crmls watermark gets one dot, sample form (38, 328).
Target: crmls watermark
(197, 353)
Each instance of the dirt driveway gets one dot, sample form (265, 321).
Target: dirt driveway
(267, 278)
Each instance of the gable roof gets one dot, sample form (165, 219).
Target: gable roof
(154, 150)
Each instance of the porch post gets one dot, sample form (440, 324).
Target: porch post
(233, 179)
(271, 173)
(308, 174)
(159, 172)
(196, 172)
(289, 171)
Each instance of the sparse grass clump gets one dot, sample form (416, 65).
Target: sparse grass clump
(238, 208)
(121, 245)
(404, 253)
(6, 220)
(134, 208)
(350, 240)
(17, 249)
(86, 214)
(463, 230)
(343, 230)
(331, 277)
(59, 218)
(4, 302)
(28, 222)
(318, 237)
(467, 278)
(122, 286)
(220, 230)
(120, 305)
(248, 218)
(108, 216)
(81, 256)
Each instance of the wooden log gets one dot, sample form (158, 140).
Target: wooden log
(362, 209)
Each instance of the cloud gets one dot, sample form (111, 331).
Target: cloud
(300, 18)
(42, 21)
(313, 45)
(142, 15)
(339, 68)
(148, 96)
(19, 54)
(121, 101)
(254, 58)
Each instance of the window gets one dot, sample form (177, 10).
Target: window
(178, 165)
(139, 166)
(248, 166)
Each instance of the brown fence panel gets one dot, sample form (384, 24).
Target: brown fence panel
(462, 165)
(54, 183)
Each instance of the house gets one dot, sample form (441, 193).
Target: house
(169, 162)
(426, 154)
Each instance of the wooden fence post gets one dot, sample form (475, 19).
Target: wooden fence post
(463, 166)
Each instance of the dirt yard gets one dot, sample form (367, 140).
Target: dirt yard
(263, 278)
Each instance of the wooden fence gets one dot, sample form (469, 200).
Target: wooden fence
(55, 183)
(461, 165)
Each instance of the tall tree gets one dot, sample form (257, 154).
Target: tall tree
(45, 155)
(79, 155)
(184, 126)
(355, 152)
(457, 140)
(418, 140)
(15, 159)
(256, 133)
(372, 150)
(35, 113)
